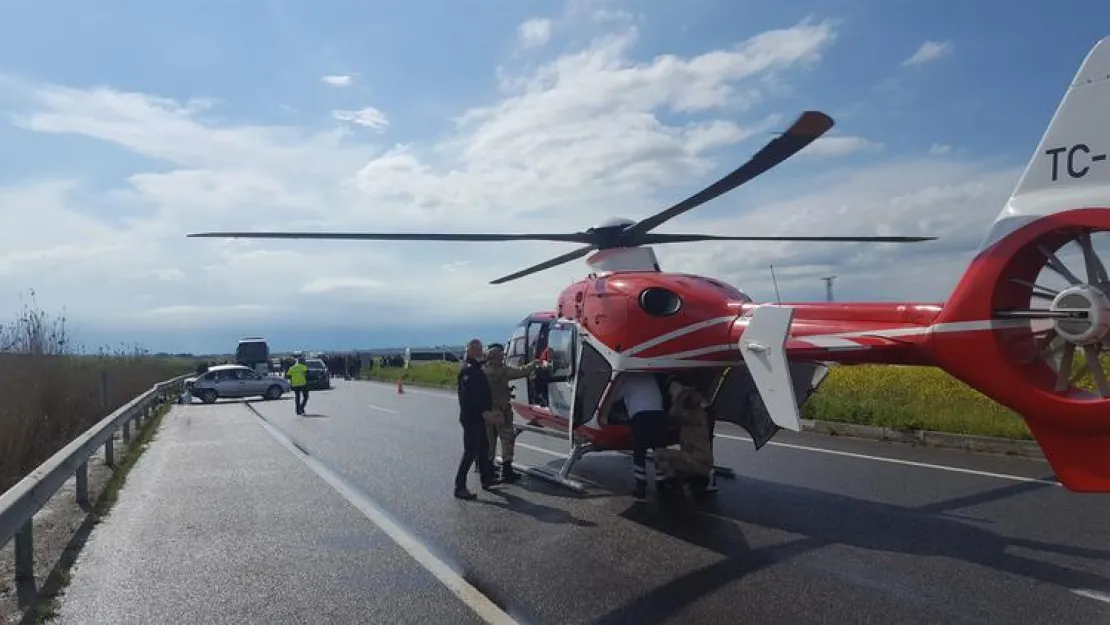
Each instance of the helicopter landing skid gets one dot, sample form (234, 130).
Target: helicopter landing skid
(561, 477)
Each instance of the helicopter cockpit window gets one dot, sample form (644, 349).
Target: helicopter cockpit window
(515, 350)
(561, 341)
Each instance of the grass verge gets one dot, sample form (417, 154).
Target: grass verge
(53, 388)
(45, 608)
(903, 398)
(432, 374)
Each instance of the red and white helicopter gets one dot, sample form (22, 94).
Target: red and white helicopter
(757, 363)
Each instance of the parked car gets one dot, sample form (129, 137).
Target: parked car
(236, 381)
(318, 377)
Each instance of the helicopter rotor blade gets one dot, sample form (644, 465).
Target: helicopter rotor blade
(547, 264)
(576, 237)
(809, 126)
(651, 238)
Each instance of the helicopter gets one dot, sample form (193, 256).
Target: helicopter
(757, 363)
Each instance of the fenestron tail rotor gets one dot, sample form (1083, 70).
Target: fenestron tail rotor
(810, 126)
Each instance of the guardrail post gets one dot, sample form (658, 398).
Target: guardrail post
(83, 484)
(127, 431)
(25, 553)
(110, 452)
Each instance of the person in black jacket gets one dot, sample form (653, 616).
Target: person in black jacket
(474, 400)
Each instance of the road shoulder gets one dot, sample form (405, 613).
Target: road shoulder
(219, 523)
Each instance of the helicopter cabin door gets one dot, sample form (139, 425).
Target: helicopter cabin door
(516, 355)
(562, 338)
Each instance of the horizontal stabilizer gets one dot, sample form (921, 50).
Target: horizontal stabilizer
(763, 345)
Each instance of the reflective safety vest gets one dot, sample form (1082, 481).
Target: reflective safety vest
(298, 375)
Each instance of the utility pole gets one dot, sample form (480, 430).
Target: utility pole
(828, 287)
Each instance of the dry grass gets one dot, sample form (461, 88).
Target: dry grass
(52, 388)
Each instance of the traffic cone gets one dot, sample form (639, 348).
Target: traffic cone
(400, 387)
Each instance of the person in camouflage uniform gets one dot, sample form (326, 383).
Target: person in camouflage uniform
(692, 462)
(499, 421)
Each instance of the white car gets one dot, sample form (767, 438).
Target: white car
(236, 381)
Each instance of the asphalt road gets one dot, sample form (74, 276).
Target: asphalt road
(346, 515)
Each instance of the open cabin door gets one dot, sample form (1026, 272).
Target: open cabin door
(592, 378)
(737, 399)
(525, 345)
(562, 338)
(516, 355)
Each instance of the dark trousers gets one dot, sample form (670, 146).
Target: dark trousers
(648, 430)
(475, 450)
(300, 397)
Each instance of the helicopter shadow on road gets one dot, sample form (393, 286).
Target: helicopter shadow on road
(825, 519)
(539, 512)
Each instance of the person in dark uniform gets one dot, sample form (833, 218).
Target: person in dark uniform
(475, 400)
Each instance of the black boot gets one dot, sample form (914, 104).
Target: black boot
(639, 491)
(508, 474)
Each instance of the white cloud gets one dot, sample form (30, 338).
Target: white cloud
(328, 285)
(369, 117)
(939, 149)
(840, 146)
(929, 51)
(591, 133)
(340, 80)
(534, 33)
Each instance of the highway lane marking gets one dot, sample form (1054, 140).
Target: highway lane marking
(541, 450)
(389, 410)
(468, 594)
(1092, 594)
(858, 456)
(908, 463)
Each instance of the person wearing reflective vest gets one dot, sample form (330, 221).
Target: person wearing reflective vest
(298, 379)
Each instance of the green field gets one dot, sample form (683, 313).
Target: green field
(896, 397)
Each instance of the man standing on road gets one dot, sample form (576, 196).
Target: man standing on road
(298, 379)
(500, 425)
(474, 402)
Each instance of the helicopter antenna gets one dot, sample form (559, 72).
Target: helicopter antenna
(778, 300)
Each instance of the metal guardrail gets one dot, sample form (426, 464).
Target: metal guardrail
(21, 502)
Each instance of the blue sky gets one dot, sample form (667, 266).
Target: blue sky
(102, 175)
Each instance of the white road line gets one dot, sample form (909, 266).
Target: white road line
(541, 450)
(389, 410)
(909, 463)
(1092, 594)
(848, 454)
(471, 596)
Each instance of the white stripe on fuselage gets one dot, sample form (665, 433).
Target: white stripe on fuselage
(663, 338)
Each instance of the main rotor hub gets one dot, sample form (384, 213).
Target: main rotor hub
(1089, 329)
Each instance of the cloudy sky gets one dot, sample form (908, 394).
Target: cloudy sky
(127, 127)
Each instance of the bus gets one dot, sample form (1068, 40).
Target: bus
(429, 354)
(254, 352)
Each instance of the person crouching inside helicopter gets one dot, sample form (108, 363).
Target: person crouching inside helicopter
(692, 463)
(499, 424)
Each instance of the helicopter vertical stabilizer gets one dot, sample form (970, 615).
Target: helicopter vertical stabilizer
(763, 346)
